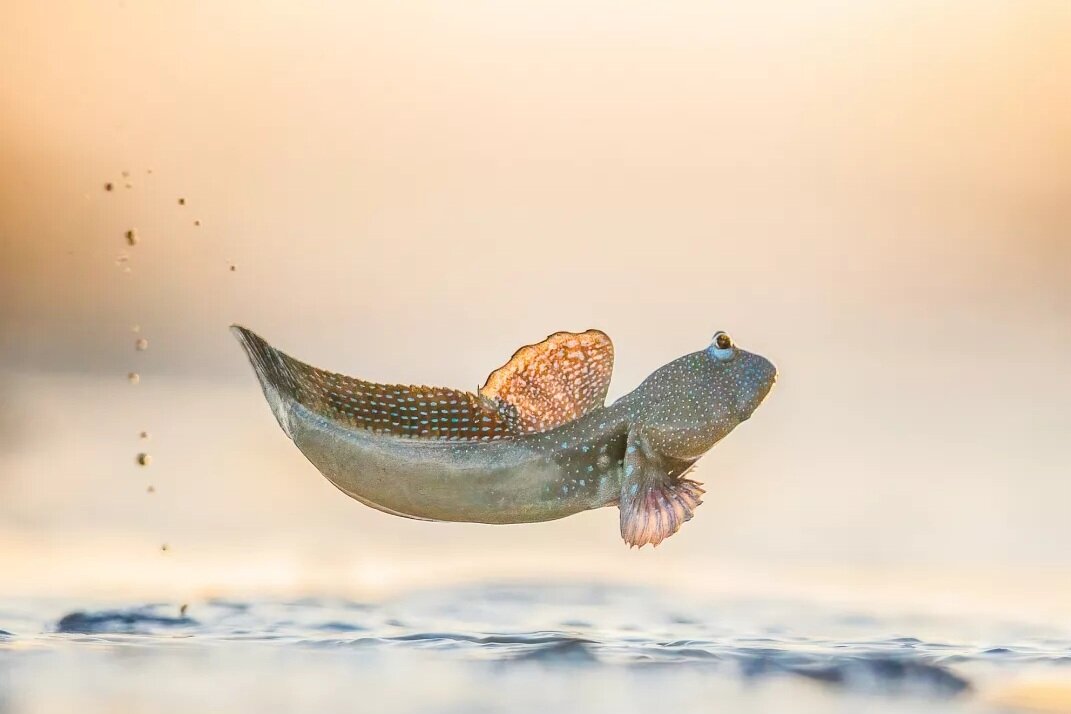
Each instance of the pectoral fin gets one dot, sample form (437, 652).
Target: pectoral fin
(654, 504)
(556, 381)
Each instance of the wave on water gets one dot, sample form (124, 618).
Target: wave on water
(607, 627)
(573, 647)
(142, 620)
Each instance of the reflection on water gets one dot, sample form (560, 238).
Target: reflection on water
(528, 647)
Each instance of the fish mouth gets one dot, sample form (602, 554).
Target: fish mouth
(766, 381)
(770, 386)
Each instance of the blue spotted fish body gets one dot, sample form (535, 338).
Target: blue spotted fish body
(536, 443)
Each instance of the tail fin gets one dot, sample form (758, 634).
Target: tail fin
(274, 372)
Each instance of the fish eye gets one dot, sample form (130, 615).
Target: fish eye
(722, 346)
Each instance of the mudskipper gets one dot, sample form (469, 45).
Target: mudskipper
(536, 443)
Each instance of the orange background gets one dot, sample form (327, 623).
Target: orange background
(873, 195)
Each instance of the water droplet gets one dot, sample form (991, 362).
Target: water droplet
(233, 267)
(182, 202)
(133, 377)
(143, 435)
(144, 459)
(150, 489)
(197, 222)
(164, 548)
(141, 345)
(109, 186)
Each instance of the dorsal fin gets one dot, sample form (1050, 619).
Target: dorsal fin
(556, 381)
(403, 410)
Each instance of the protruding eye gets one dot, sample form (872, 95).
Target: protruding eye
(722, 346)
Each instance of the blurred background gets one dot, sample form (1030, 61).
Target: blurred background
(873, 195)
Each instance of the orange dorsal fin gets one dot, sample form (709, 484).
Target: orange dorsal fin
(556, 381)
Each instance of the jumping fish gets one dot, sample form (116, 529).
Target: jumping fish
(536, 443)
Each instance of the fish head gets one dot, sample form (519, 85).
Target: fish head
(738, 380)
(692, 403)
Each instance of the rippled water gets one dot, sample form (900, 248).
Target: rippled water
(520, 647)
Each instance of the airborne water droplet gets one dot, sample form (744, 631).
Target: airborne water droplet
(134, 377)
(141, 345)
(144, 459)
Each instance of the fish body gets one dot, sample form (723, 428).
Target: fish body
(536, 444)
(534, 477)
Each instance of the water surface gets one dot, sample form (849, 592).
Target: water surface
(518, 646)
